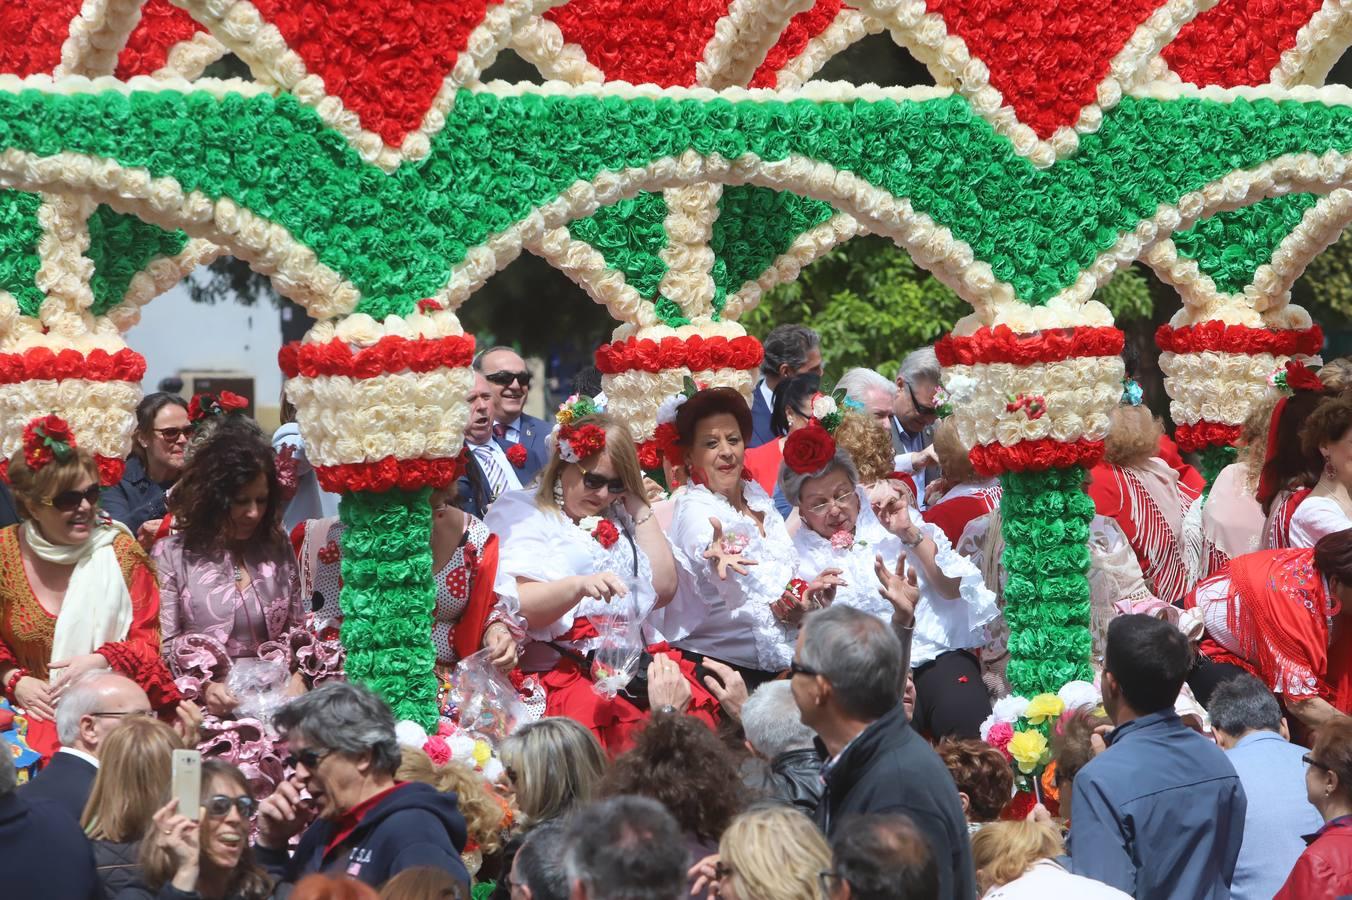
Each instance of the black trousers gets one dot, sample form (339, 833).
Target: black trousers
(1206, 676)
(950, 697)
(754, 678)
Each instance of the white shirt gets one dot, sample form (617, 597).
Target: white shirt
(1315, 518)
(513, 430)
(768, 394)
(1046, 879)
(904, 462)
(500, 457)
(80, 754)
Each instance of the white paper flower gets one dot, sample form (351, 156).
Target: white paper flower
(960, 388)
(1008, 709)
(589, 523)
(1079, 695)
(666, 413)
(410, 734)
(823, 405)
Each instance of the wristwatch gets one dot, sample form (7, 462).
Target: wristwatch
(919, 536)
(669, 709)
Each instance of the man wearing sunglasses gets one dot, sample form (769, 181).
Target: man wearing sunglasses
(913, 417)
(510, 380)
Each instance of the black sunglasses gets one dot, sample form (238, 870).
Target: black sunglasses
(218, 806)
(171, 435)
(1309, 760)
(69, 501)
(504, 378)
(310, 758)
(797, 668)
(593, 482)
(920, 407)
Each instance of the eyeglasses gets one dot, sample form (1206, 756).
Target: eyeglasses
(504, 378)
(722, 870)
(920, 407)
(310, 758)
(171, 435)
(69, 501)
(797, 668)
(829, 882)
(840, 500)
(218, 806)
(1309, 760)
(127, 714)
(594, 482)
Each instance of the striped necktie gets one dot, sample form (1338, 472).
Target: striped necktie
(497, 479)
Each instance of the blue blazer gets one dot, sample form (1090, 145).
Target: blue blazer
(533, 434)
(45, 853)
(65, 782)
(760, 418)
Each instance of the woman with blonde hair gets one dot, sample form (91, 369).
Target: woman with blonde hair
(133, 782)
(1016, 861)
(553, 766)
(967, 496)
(767, 853)
(586, 566)
(485, 816)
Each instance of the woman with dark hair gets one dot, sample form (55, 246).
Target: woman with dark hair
(738, 568)
(231, 594)
(1324, 870)
(792, 409)
(1288, 473)
(1275, 614)
(1326, 435)
(184, 857)
(77, 594)
(156, 462)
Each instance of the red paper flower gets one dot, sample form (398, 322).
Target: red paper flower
(46, 439)
(585, 441)
(809, 449)
(516, 455)
(1300, 378)
(437, 750)
(606, 533)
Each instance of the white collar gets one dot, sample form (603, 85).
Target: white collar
(80, 754)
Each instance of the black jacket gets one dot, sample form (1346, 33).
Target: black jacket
(795, 777)
(412, 825)
(43, 853)
(66, 782)
(889, 768)
(119, 867)
(135, 499)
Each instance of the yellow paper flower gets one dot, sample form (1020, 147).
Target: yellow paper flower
(1044, 707)
(1029, 749)
(482, 752)
(564, 416)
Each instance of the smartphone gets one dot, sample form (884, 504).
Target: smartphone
(187, 769)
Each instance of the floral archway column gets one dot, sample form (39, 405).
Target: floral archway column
(381, 406)
(1032, 397)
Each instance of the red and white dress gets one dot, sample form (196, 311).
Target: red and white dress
(1277, 529)
(1148, 503)
(963, 503)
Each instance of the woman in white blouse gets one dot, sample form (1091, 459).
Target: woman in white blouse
(735, 558)
(842, 534)
(1326, 436)
(582, 557)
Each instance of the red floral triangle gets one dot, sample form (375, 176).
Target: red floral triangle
(641, 41)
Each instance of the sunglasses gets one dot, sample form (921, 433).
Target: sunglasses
(796, 668)
(69, 501)
(171, 435)
(310, 758)
(593, 482)
(504, 378)
(920, 407)
(218, 806)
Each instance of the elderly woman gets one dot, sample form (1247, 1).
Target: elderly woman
(343, 751)
(1324, 870)
(842, 535)
(968, 496)
(738, 568)
(77, 594)
(585, 565)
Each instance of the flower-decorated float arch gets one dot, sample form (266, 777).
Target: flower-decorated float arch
(381, 200)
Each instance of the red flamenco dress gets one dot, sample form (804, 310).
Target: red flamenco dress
(1269, 615)
(27, 629)
(1149, 503)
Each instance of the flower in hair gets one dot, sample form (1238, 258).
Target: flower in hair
(1132, 395)
(809, 449)
(45, 439)
(203, 405)
(1296, 376)
(577, 407)
(576, 444)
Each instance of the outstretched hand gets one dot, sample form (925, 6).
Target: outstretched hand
(724, 557)
(902, 591)
(727, 686)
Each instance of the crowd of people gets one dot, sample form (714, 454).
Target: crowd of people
(773, 671)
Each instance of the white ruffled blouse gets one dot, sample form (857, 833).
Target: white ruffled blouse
(735, 623)
(941, 624)
(544, 545)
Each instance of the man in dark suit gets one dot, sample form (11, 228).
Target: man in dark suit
(43, 852)
(509, 380)
(789, 350)
(489, 470)
(88, 712)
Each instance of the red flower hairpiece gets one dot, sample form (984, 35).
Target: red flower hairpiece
(809, 449)
(576, 444)
(203, 405)
(1300, 377)
(45, 439)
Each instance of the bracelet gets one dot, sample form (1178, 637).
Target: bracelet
(644, 520)
(919, 539)
(13, 681)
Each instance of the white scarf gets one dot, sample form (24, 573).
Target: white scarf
(97, 607)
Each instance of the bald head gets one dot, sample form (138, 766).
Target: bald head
(93, 706)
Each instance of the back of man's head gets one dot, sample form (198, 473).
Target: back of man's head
(1148, 659)
(88, 695)
(859, 655)
(625, 848)
(771, 722)
(1243, 704)
(884, 857)
(538, 867)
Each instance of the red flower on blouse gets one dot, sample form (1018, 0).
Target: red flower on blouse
(516, 455)
(606, 533)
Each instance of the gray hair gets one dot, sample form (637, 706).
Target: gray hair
(791, 482)
(346, 718)
(1243, 704)
(478, 363)
(859, 655)
(857, 382)
(540, 861)
(82, 698)
(627, 848)
(921, 365)
(787, 345)
(771, 722)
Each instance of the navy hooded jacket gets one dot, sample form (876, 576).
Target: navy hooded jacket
(412, 825)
